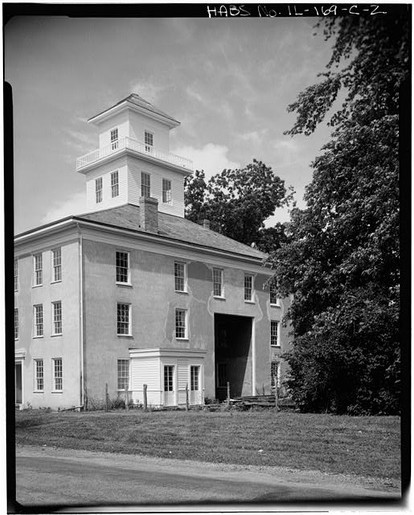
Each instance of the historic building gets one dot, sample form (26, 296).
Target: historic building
(132, 294)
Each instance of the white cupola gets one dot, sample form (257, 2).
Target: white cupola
(133, 159)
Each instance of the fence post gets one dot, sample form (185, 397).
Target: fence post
(106, 396)
(228, 392)
(276, 398)
(145, 397)
(126, 398)
(186, 397)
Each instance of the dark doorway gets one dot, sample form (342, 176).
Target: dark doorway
(232, 336)
(18, 382)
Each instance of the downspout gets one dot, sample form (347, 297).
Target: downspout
(81, 339)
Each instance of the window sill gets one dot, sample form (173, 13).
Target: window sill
(38, 391)
(40, 336)
(275, 305)
(54, 282)
(124, 335)
(275, 346)
(37, 285)
(124, 285)
(219, 297)
(182, 339)
(54, 335)
(249, 301)
(57, 391)
(181, 291)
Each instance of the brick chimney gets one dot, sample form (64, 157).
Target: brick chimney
(148, 208)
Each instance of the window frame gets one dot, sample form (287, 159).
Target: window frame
(38, 379)
(179, 278)
(220, 282)
(169, 378)
(129, 321)
(273, 296)
(145, 188)
(57, 318)
(16, 324)
(57, 266)
(36, 323)
(99, 190)
(166, 192)
(115, 184)
(57, 375)
(38, 270)
(118, 267)
(125, 369)
(274, 335)
(148, 141)
(248, 288)
(181, 317)
(114, 138)
(193, 377)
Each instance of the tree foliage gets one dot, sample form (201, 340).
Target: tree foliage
(341, 260)
(237, 202)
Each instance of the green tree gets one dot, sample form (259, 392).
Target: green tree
(237, 202)
(341, 260)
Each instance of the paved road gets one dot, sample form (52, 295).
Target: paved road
(56, 477)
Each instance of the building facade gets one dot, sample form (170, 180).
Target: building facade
(131, 295)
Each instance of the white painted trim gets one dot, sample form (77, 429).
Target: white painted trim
(167, 353)
(253, 356)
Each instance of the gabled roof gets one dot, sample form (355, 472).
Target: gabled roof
(135, 100)
(172, 227)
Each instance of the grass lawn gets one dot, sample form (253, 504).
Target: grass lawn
(366, 446)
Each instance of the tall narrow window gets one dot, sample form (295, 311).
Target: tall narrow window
(273, 295)
(274, 333)
(195, 378)
(180, 323)
(38, 269)
(114, 139)
(57, 375)
(168, 378)
(166, 191)
(38, 320)
(114, 184)
(217, 282)
(57, 264)
(180, 276)
(123, 374)
(57, 317)
(149, 141)
(145, 184)
(16, 275)
(122, 267)
(16, 323)
(98, 190)
(124, 319)
(38, 375)
(248, 287)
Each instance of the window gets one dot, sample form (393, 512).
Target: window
(180, 276)
(166, 191)
(145, 184)
(275, 333)
(222, 375)
(38, 276)
(123, 374)
(114, 184)
(57, 317)
(217, 282)
(124, 319)
(168, 378)
(16, 323)
(16, 275)
(57, 264)
(194, 378)
(122, 267)
(275, 374)
(180, 323)
(38, 375)
(114, 139)
(57, 375)
(149, 141)
(248, 287)
(38, 320)
(98, 189)
(273, 295)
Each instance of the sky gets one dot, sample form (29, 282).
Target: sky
(228, 81)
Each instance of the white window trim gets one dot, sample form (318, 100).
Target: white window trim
(128, 282)
(185, 290)
(117, 374)
(129, 334)
(35, 361)
(251, 300)
(101, 190)
(35, 335)
(167, 202)
(54, 280)
(36, 285)
(113, 174)
(185, 337)
(278, 334)
(222, 296)
(148, 147)
(53, 333)
(54, 389)
(146, 185)
(114, 143)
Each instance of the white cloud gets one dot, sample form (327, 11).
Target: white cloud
(255, 137)
(211, 158)
(147, 89)
(73, 205)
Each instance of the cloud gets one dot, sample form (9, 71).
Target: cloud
(80, 141)
(147, 89)
(211, 158)
(73, 205)
(255, 137)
